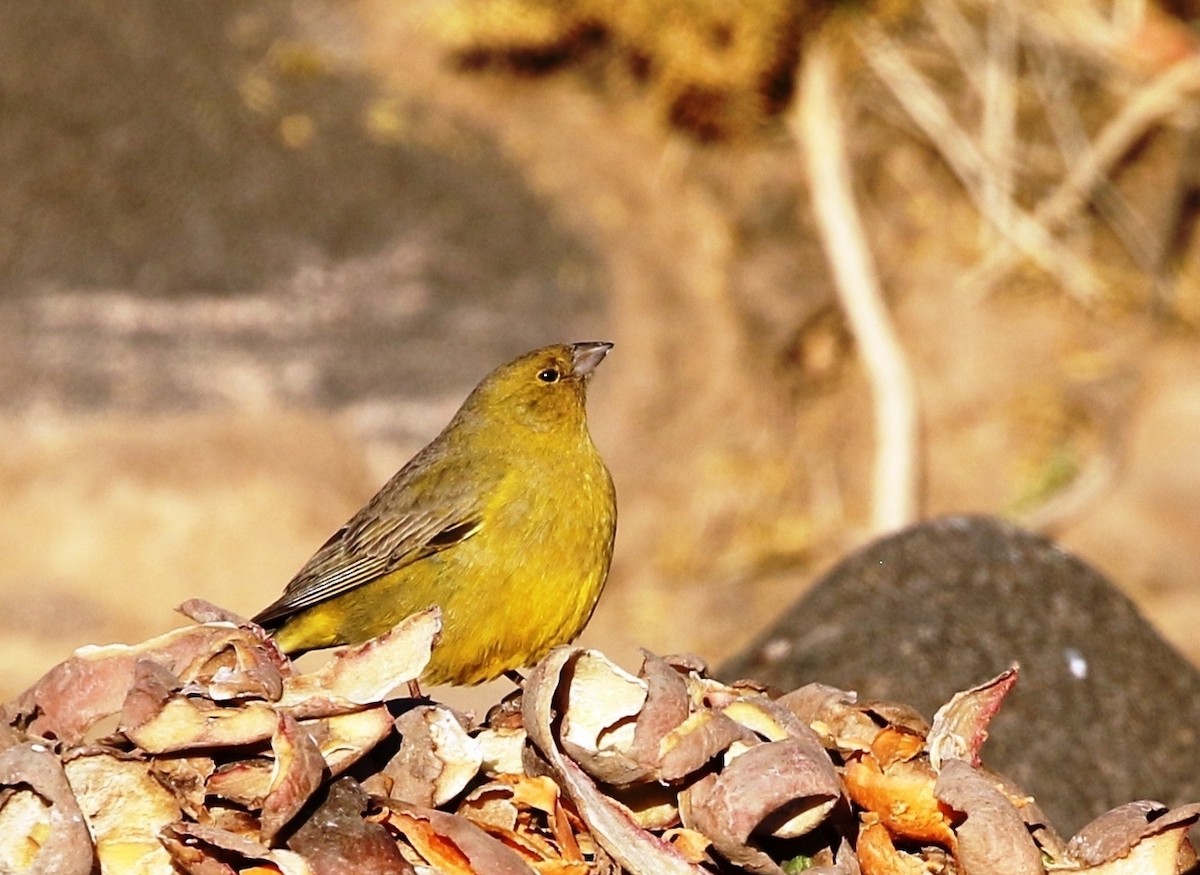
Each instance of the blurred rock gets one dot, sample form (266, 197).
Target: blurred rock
(1105, 710)
(212, 206)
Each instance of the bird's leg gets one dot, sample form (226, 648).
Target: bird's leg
(515, 676)
(414, 689)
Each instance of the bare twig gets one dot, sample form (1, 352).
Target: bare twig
(1051, 80)
(1021, 231)
(1127, 15)
(1000, 113)
(818, 125)
(957, 35)
(1150, 106)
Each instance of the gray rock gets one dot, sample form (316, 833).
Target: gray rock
(165, 248)
(1105, 710)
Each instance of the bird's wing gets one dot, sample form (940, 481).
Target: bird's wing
(404, 522)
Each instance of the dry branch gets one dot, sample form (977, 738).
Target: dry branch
(1023, 233)
(1158, 101)
(817, 124)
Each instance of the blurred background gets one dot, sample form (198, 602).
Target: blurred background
(253, 255)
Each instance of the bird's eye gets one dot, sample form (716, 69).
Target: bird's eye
(549, 375)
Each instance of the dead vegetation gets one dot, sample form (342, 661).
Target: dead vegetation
(206, 751)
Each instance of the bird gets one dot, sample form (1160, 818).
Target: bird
(505, 521)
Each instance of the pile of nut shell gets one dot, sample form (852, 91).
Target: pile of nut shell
(207, 751)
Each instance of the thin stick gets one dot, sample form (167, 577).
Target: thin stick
(1159, 100)
(1051, 80)
(1021, 231)
(1128, 15)
(999, 127)
(818, 125)
(958, 36)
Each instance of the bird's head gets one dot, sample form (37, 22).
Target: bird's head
(544, 390)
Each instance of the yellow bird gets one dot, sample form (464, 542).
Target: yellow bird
(505, 520)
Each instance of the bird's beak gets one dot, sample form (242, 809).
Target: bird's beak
(586, 356)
